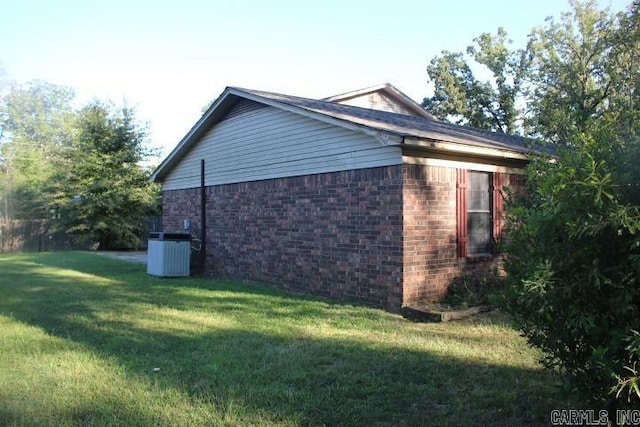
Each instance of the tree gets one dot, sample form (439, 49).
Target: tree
(573, 274)
(572, 72)
(36, 122)
(583, 68)
(460, 97)
(79, 169)
(573, 254)
(103, 194)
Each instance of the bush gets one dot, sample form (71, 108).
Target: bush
(573, 273)
(472, 290)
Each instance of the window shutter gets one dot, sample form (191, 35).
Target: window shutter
(461, 214)
(499, 181)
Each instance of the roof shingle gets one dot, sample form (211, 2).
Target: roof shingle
(405, 125)
(386, 126)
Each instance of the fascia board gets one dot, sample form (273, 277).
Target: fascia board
(192, 136)
(216, 110)
(466, 149)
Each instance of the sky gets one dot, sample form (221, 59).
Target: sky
(169, 59)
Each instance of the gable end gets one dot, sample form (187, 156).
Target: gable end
(241, 107)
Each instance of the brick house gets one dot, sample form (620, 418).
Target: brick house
(361, 196)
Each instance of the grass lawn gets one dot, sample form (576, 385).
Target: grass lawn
(88, 340)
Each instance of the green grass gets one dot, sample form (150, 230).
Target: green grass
(88, 340)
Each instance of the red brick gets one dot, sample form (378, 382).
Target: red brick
(385, 236)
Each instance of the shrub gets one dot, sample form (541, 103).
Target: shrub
(573, 273)
(472, 290)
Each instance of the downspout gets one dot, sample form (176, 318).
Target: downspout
(203, 220)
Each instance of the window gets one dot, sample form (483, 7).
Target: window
(479, 211)
(479, 227)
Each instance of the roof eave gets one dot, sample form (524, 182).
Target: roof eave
(217, 110)
(465, 149)
(209, 116)
(438, 142)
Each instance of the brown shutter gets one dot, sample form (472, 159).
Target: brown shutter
(461, 215)
(498, 204)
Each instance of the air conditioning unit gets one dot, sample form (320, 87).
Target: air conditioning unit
(169, 254)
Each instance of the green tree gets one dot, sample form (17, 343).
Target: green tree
(103, 194)
(36, 126)
(573, 255)
(571, 73)
(583, 67)
(573, 282)
(461, 97)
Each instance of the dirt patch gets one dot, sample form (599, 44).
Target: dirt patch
(137, 257)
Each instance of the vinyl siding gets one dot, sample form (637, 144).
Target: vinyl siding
(270, 143)
(378, 101)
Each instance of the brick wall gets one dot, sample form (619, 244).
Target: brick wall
(429, 250)
(430, 257)
(337, 235)
(384, 236)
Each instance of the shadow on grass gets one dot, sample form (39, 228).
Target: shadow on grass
(225, 343)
